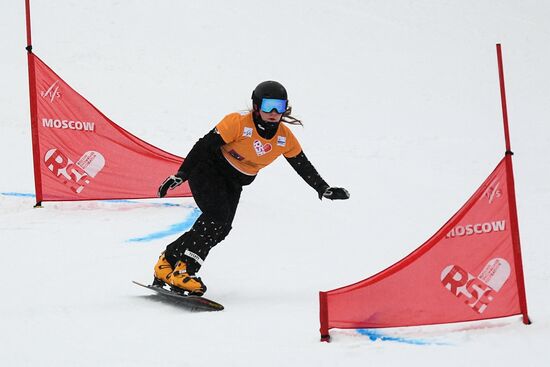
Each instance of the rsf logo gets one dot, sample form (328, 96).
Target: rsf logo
(52, 92)
(476, 292)
(75, 175)
(262, 149)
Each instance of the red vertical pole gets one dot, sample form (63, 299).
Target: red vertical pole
(512, 196)
(28, 21)
(33, 107)
(323, 315)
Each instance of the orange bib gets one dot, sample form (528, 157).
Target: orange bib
(246, 150)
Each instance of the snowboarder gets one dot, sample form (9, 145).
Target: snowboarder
(218, 166)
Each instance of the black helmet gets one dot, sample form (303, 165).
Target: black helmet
(268, 89)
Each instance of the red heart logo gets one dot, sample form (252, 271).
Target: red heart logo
(260, 148)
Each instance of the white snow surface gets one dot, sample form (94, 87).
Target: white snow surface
(401, 105)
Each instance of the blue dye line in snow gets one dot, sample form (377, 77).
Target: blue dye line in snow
(20, 194)
(125, 201)
(375, 335)
(174, 228)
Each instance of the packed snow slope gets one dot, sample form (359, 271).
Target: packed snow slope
(400, 104)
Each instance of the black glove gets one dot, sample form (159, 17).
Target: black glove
(334, 193)
(170, 183)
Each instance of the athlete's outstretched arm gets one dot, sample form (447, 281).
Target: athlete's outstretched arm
(201, 150)
(305, 169)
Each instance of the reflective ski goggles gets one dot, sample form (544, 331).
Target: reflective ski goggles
(270, 104)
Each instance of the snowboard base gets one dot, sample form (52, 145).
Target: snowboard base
(194, 303)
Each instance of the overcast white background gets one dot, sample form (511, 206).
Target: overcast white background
(400, 103)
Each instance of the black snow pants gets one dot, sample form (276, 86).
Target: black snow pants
(216, 188)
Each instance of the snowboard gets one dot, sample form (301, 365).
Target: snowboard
(194, 303)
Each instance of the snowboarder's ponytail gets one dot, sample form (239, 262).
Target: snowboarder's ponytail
(289, 119)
